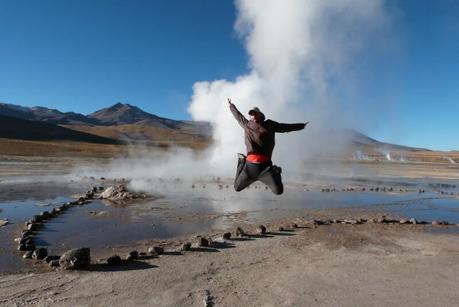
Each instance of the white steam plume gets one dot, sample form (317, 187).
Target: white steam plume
(302, 59)
(299, 50)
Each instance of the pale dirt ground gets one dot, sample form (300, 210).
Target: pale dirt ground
(339, 265)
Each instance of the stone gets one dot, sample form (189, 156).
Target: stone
(32, 227)
(240, 232)
(281, 228)
(403, 221)
(50, 258)
(294, 225)
(114, 260)
(152, 252)
(25, 232)
(27, 255)
(435, 222)
(186, 246)
(227, 235)
(75, 259)
(413, 221)
(36, 219)
(26, 247)
(158, 249)
(89, 195)
(132, 255)
(40, 253)
(203, 242)
(54, 263)
(45, 215)
(3, 222)
(261, 229)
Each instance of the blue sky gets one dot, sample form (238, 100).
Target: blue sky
(85, 55)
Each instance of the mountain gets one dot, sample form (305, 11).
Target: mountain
(118, 114)
(126, 122)
(23, 129)
(45, 115)
(126, 114)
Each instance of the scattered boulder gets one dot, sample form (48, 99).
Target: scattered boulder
(152, 252)
(261, 229)
(54, 263)
(26, 247)
(40, 253)
(132, 255)
(45, 215)
(36, 219)
(227, 235)
(294, 225)
(114, 260)
(22, 247)
(158, 249)
(48, 259)
(403, 221)
(27, 255)
(32, 227)
(240, 232)
(186, 246)
(280, 228)
(435, 222)
(75, 259)
(413, 221)
(203, 242)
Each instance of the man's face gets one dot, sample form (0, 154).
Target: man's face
(255, 117)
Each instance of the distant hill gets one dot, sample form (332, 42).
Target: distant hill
(126, 122)
(45, 115)
(23, 129)
(361, 140)
(118, 114)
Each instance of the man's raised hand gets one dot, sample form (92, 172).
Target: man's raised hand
(229, 102)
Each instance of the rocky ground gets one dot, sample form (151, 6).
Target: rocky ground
(328, 265)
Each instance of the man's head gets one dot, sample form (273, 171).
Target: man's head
(256, 115)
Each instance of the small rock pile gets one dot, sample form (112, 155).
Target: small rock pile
(120, 193)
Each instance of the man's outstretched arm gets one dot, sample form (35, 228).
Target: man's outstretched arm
(280, 127)
(237, 115)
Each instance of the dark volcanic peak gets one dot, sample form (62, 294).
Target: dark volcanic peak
(121, 113)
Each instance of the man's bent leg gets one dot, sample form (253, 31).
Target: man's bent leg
(242, 179)
(272, 178)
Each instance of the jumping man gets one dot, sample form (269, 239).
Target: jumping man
(259, 140)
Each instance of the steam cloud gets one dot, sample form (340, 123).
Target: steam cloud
(300, 57)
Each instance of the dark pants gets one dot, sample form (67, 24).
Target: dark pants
(247, 173)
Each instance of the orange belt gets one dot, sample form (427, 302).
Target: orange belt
(256, 158)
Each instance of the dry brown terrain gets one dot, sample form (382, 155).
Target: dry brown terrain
(150, 134)
(12, 147)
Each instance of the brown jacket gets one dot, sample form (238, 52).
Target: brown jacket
(259, 137)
